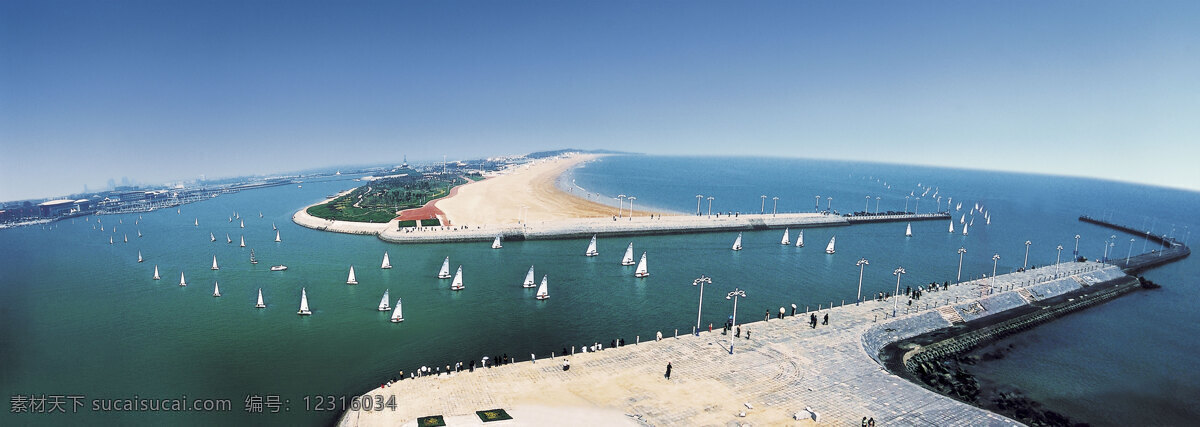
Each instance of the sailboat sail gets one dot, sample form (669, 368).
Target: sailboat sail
(908, 231)
(786, 237)
(457, 284)
(444, 273)
(156, 272)
(212, 237)
(829, 247)
(496, 243)
(243, 243)
(350, 280)
(383, 303)
(964, 229)
(386, 262)
(541, 292)
(140, 256)
(962, 219)
(216, 289)
(227, 239)
(214, 267)
(591, 249)
(800, 239)
(398, 316)
(628, 258)
(260, 304)
(641, 268)
(242, 224)
(737, 243)
(304, 303)
(277, 236)
(951, 226)
(182, 282)
(528, 283)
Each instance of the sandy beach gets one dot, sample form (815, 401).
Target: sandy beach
(499, 200)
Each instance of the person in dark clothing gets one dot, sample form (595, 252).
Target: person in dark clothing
(812, 320)
(826, 320)
(738, 332)
(472, 366)
(668, 370)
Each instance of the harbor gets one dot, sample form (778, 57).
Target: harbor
(791, 370)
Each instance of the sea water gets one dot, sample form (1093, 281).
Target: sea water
(81, 317)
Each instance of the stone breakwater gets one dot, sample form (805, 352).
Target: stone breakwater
(642, 225)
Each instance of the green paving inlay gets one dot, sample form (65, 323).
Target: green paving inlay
(493, 415)
(431, 421)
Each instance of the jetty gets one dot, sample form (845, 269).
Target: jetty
(636, 226)
(787, 372)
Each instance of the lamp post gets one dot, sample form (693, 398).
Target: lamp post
(762, 209)
(817, 206)
(862, 263)
(737, 293)
(1027, 243)
(1144, 242)
(631, 199)
(775, 207)
(939, 200)
(698, 197)
(917, 208)
(896, 296)
(867, 207)
(829, 203)
(621, 199)
(1128, 253)
(995, 262)
(1076, 253)
(876, 205)
(906, 204)
(710, 199)
(1057, 260)
(700, 281)
(961, 251)
(1105, 258)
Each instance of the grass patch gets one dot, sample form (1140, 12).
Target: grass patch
(431, 421)
(378, 202)
(493, 415)
(475, 177)
(430, 222)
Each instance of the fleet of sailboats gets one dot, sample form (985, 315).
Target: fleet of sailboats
(591, 249)
(737, 243)
(641, 268)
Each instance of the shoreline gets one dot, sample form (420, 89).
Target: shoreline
(303, 219)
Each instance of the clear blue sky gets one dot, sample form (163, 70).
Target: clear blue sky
(170, 90)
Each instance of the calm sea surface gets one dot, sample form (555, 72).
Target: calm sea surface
(82, 317)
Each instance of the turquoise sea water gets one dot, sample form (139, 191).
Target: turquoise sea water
(82, 317)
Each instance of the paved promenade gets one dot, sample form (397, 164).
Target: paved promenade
(785, 367)
(642, 225)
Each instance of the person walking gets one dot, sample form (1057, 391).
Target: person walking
(668, 370)
(826, 320)
(566, 365)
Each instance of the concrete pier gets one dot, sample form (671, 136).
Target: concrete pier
(785, 367)
(608, 227)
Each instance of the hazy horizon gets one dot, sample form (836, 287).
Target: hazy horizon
(162, 92)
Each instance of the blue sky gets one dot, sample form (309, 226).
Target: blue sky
(161, 91)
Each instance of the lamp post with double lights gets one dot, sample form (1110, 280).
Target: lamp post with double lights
(700, 281)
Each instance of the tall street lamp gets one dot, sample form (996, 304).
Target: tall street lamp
(774, 207)
(829, 204)
(631, 199)
(1128, 253)
(867, 207)
(737, 293)
(876, 205)
(1027, 243)
(700, 281)
(862, 263)
(1076, 253)
(961, 251)
(995, 262)
(698, 197)
(710, 199)
(1057, 259)
(621, 199)
(896, 296)
(762, 209)
(1144, 242)
(817, 206)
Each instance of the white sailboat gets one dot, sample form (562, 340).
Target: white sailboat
(628, 258)
(252, 259)
(959, 207)
(243, 243)
(444, 273)
(989, 221)
(951, 226)
(829, 247)
(156, 272)
(260, 214)
(962, 219)
(641, 268)
(964, 229)
(216, 290)
(457, 285)
(541, 292)
(140, 256)
(277, 236)
(383, 303)
(304, 311)
(528, 283)
(279, 267)
(227, 239)
(196, 222)
(737, 243)
(386, 263)
(212, 237)
(139, 233)
(182, 282)
(273, 226)
(496, 243)
(110, 240)
(786, 237)
(350, 280)
(242, 224)
(214, 267)
(971, 222)
(908, 231)
(260, 304)
(591, 249)
(800, 239)
(126, 238)
(398, 316)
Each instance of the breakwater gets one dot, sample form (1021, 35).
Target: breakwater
(642, 225)
(1170, 248)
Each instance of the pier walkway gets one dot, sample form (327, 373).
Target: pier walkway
(641, 225)
(771, 378)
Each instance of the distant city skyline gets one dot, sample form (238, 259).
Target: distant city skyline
(169, 91)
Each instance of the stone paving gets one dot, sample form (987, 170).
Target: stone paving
(784, 368)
